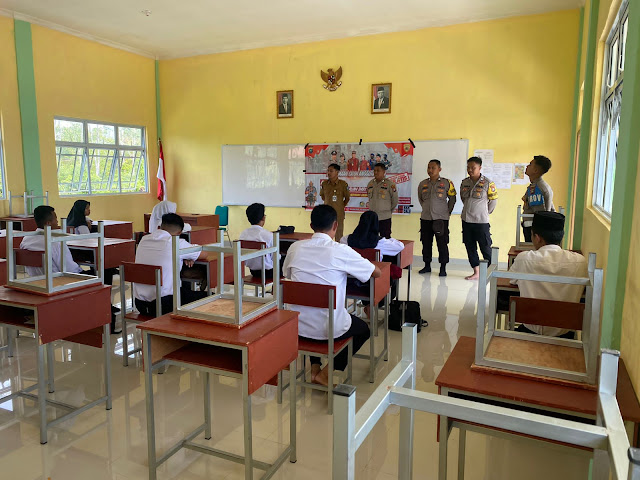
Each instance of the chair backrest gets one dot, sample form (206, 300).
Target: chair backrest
(307, 294)
(223, 215)
(547, 313)
(253, 245)
(29, 258)
(141, 273)
(370, 254)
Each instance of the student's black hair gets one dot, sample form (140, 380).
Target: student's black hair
(335, 166)
(477, 160)
(173, 220)
(543, 162)
(378, 155)
(436, 161)
(322, 218)
(255, 213)
(381, 165)
(43, 214)
(551, 237)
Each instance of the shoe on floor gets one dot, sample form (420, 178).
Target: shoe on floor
(425, 269)
(443, 271)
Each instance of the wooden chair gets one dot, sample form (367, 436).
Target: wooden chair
(145, 275)
(260, 283)
(319, 296)
(546, 313)
(29, 258)
(372, 255)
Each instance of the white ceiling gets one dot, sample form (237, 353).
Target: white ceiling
(192, 27)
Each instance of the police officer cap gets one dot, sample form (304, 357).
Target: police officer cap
(548, 221)
(334, 152)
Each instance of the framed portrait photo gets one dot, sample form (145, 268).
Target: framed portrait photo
(284, 103)
(381, 98)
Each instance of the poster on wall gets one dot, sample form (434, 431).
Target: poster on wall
(356, 168)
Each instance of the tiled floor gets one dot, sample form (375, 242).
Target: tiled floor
(112, 445)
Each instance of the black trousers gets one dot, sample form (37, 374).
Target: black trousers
(442, 241)
(186, 296)
(526, 231)
(476, 235)
(359, 331)
(385, 228)
(268, 274)
(571, 335)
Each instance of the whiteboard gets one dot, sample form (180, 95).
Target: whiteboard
(274, 174)
(269, 174)
(453, 157)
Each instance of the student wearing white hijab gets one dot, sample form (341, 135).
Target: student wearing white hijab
(161, 209)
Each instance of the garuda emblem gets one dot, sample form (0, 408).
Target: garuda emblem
(332, 79)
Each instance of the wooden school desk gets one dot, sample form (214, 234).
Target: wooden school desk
(115, 229)
(3, 244)
(210, 262)
(26, 224)
(255, 354)
(116, 251)
(405, 260)
(201, 235)
(3, 271)
(194, 219)
(81, 316)
(457, 379)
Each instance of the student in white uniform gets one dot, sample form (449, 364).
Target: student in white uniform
(78, 217)
(257, 233)
(322, 261)
(549, 258)
(155, 249)
(44, 215)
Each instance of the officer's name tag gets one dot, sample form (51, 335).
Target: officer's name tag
(334, 198)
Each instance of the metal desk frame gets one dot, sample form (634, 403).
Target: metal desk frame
(608, 438)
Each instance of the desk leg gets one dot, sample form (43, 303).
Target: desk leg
(148, 387)
(42, 394)
(405, 454)
(293, 458)
(207, 405)
(443, 439)
(106, 346)
(386, 326)
(50, 374)
(372, 350)
(246, 406)
(462, 443)
(408, 283)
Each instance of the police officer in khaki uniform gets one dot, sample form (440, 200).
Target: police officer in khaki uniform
(437, 196)
(383, 198)
(335, 192)
(479, 196)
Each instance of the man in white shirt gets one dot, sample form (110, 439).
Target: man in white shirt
(549, 258)
(44, 215)
(322, 261)
(155, 249)
(257, 233)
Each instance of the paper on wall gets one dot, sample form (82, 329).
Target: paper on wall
(519, 177)
(487, 161)
(502, 174)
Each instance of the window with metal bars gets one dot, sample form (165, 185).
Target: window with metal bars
(610, 106)
(96, 158)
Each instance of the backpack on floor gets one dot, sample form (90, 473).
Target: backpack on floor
(411, 314)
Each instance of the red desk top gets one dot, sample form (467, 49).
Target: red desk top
(457, 374)
(212, 332)
(406, 255)
(28, 223)
(93, 242)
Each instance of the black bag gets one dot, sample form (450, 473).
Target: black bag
(411, 314)
(286, 229)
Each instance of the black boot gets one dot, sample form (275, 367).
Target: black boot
(443, 270)
(426, 268)
(113, 325)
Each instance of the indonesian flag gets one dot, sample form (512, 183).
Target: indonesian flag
(161, 176)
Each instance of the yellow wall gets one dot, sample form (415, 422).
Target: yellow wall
(83, 79)
(504, 84)
(630, 325)
(10, 113)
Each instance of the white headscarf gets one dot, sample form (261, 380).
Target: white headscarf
(161, 209)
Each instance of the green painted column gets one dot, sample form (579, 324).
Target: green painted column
(574, 125)
(585, 125)
(624, 187)
(158, 116)
(28, 107)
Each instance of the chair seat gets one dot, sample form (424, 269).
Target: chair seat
(137, 317)
(320, 347)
